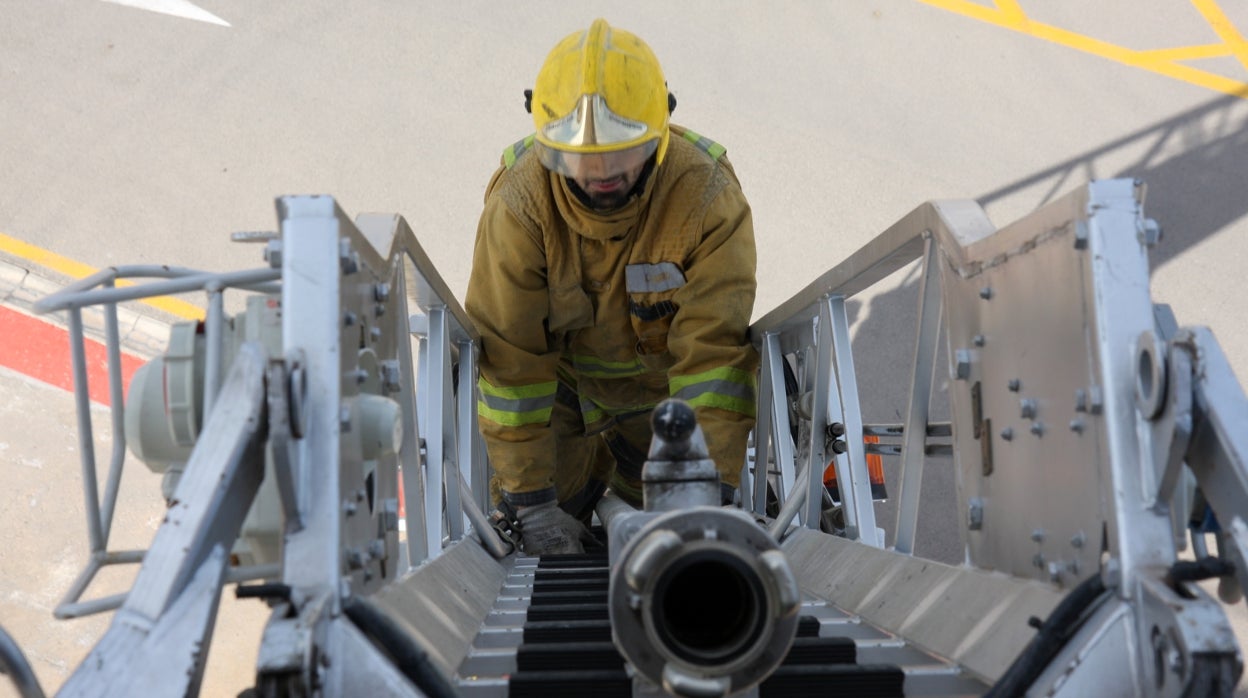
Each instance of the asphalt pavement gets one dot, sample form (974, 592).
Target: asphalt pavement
(130, 135)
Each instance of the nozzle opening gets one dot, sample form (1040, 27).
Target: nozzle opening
(709, 607)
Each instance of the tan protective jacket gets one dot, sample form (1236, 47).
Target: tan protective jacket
(631, 306)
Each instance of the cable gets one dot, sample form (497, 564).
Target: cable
(1049, 640)
(410, 658)
(13, 663)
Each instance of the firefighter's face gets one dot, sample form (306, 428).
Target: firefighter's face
(606, 180)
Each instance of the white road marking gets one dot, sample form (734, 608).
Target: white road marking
(177, 8)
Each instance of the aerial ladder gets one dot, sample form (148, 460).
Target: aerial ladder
(319, 451)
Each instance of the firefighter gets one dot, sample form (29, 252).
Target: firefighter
(614, 267)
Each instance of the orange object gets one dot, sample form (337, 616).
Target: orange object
(875, 469)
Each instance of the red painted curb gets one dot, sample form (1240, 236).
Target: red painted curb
(40, 350)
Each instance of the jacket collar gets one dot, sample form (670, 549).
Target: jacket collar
(601, 225)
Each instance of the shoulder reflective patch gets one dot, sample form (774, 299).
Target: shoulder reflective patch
(653, 278)
(707, 145)
(515, 150)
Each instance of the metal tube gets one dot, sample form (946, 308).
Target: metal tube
(214, 331)
(934, 429)
(792, 505)
(610, 506)
(117, 399)
(489, 540)
(241, 279)
(824, 408)
(14, 663)
(860, 510)
(924, 363)
(86, 441)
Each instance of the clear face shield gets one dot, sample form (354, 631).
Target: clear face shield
(589, 132)
(589, 166)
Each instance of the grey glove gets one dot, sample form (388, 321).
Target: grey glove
(545, 529)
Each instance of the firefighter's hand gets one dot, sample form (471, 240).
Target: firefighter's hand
(545, 529)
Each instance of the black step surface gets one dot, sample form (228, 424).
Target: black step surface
(567, 631)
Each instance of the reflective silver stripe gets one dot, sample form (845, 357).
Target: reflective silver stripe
(517, 405)
(651, 278)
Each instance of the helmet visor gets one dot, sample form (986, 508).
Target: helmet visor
(582, 166)
(593, 125)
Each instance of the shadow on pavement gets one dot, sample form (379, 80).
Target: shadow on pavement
(1194, 164)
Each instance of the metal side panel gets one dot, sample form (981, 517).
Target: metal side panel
(445, 601)
(975, 618)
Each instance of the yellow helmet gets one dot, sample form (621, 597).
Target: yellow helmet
(600, 91)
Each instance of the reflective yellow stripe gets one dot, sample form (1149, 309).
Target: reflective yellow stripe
(725, 388)
(516, 405)
(709, 146)
(514, 419)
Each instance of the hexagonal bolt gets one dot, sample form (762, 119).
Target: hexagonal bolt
(1081, 235)
(975, 514)
(349, 508)
(1078, 540)
(1096, 400)
(1038, 561)
(1148, 231)
(381, 292)
(349, 318)
(390, 515)
(962, 364)
(377, 548)
(374, 333)
(1037, 428)
(359, 375)
(1081, 400)
(347, 258)
(1014, 385)
(1055, 571)
(1028, 408)
(978, 340)
(379, 310)
(986, 293)
(1007, 433)
(273, 253)
(1037, 535)
(390, 375)
(356, 558)
(344, 418)
(1077, 426)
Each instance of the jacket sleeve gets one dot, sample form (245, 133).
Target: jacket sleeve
(509, 303)
(715, 363)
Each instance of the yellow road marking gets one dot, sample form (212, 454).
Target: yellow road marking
(78, 270)
(1224, 29)
(1010, 15)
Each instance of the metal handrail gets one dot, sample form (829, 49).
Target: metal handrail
(100, 289)
(812, 323)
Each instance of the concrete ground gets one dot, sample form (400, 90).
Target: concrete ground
(132, 136)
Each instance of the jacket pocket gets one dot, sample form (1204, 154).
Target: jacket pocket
(651, 288)
(570, 309)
